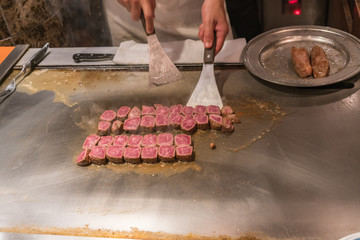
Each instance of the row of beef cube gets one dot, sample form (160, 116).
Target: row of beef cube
(116, 154)
(126, 112)
(136, 148)
(163, 122)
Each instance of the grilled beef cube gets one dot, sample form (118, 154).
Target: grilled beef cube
(91, 141)
(162, 122)
(319, 62)
(115, 154)
(226, 110)
(162, 110)
(134, 112)
(227, 126)
(301, 62)
(184, 153)
(117, 127)
(83, 158)
(176, 120)
(147, 110)
(212, 109)
(149, 140)
(188, 126)
(165, 139)
(215, 121)
(166, 153)
(131, 125)
(108, 115)
(147, 123)
(132, 154)
(176, 108)
(121, 140)
(97, 155)
(182, 140)
(106, 141)
(187, 111)
(104, 128)
(200, 109)
(233, 118)
(202, 121)
(149, 154)
(123, 112)
(135, 141)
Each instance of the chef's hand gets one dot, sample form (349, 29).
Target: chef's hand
(213, 19)
(148, 7)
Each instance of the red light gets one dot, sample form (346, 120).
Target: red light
(297, 12)
(292, 1)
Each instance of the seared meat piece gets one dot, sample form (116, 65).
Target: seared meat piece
(121, 140)
(162, 122)
(123, 112)
(135, 141)
(91, 141)
(188, 125)
(212, 109)
(301, 62)
(134, 112)
(131, 125)
(176, 108)
(184, 153)
(83, 158)
(115, 154)
(233, 118)
(227, 126)
(106, 141)
(182, 140)
(97, 155)
(117, 127)
(104, 128)
(165, 139)
(215, 121)
(162, 110)
(147, 123)
(147, 110)
(187, 111)
(149, 154)
(226, 110)
(149, 140)
(132, 154)
(176, 120)
(167, 153)
(202, 121)
(200, 109)
(108, 115)
(320, 63)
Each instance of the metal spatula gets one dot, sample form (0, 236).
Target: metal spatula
(206, 91)
(161, 69)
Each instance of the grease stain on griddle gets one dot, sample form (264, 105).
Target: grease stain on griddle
(134, 233)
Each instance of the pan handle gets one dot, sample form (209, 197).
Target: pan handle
(209, 53)
(142, 18)
(92, 57)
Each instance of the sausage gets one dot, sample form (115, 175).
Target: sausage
(319, 62)
(301, 62)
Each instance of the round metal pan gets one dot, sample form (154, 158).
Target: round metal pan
(268, 56)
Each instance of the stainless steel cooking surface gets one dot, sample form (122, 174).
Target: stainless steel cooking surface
(268, 56)
(290, 170)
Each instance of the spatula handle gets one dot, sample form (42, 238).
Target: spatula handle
(142, 18)
(209, 53)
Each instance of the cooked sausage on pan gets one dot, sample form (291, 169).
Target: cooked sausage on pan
(301, 62)
(319, 62)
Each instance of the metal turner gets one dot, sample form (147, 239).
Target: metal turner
(206, 91)
(25, 70)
